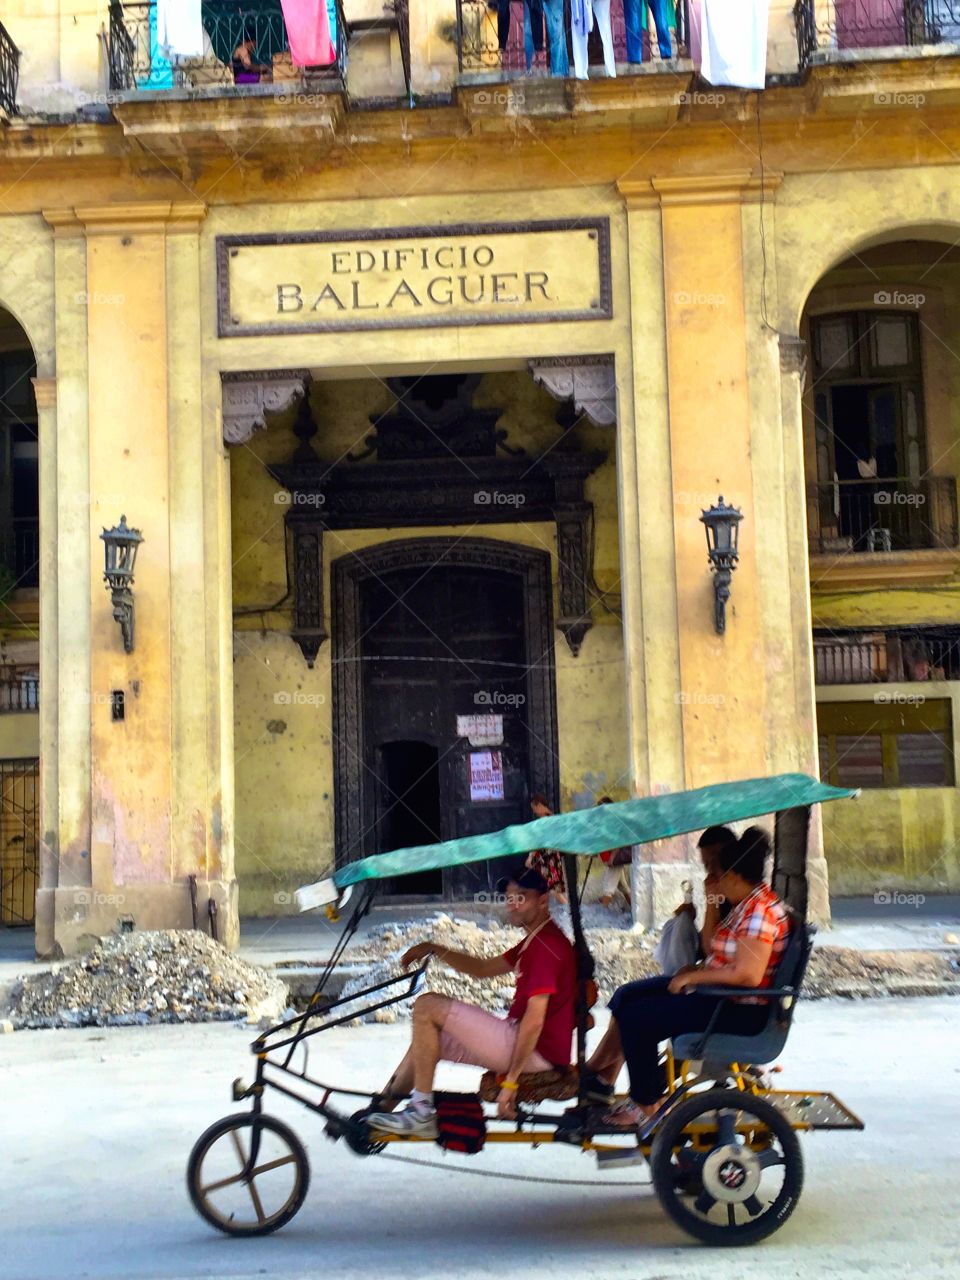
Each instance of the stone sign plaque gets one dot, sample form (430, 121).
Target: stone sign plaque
(410, 277)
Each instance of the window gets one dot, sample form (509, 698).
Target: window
(899, 740)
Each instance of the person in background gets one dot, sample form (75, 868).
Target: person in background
(614, 861)
(246, 70)
(547, 861)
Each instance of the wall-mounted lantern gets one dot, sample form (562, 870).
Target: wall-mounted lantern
(120, 554)
(723, 532)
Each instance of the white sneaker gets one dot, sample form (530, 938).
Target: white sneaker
(411, 1122)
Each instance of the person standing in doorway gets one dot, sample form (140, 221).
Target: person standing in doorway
(547, 861)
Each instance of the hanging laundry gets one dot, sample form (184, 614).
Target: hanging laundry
(734, 42)
(308, 31)
(635, 22)
(179, 29)
(583, 13)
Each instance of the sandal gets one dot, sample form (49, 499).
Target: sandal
(625, 1115)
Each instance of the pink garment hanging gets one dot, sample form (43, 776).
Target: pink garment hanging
(694, 19)
(308, 32)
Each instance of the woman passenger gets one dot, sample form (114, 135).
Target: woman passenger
(744, 951)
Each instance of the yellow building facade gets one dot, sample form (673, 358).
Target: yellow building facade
(487, 343)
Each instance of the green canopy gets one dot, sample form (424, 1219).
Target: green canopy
(607, 826)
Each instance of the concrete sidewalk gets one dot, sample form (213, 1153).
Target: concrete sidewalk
(860, 923)
(903, 924)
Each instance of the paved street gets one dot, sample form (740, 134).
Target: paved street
(98, 1125)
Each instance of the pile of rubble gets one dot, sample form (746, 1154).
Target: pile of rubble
(624, 956)
(620, 956)
(138, 978)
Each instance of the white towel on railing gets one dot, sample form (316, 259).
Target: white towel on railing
(179, 29)
(734, 42)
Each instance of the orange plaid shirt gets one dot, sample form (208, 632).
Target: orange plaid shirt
(760, 915)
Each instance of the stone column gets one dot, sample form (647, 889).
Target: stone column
(45, 392)
(135, 440)
(792, 366)
(650, 625)
(66, 873)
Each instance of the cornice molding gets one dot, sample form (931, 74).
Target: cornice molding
(724, 188)
(171, 216)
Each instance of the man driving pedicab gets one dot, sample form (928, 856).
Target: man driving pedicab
(536, 1034)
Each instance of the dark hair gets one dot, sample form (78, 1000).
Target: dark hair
(539, 798)
(527, 878)
(604, 800)
(748, 856)
(714, 836)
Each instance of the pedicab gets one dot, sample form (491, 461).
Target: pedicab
(722, 1149)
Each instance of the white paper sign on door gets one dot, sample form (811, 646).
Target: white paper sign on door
(486, 775)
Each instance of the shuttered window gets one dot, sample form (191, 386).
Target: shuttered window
(898, 740)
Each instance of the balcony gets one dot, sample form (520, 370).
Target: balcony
(136, 62)
(19, 690)
(829, 30)
(479, 39)
(19, 554)
(883, 515)
(887, 656)
(9, 73)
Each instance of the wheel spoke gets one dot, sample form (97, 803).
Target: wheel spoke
(272, 1164)
(224, 1182)
(235, 1136)
(753, 1206)
(727, 1128)
(770, 1157)
(255, 1197)
(704, 1202)
(731, 1215)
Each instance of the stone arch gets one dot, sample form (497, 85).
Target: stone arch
(530, 566)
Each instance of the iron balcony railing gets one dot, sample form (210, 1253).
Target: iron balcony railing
(136, 62)
(837, 25)
(20, 552)
(9, 73)
(888, 656)
(896, 514)
(18, 692)
(481, 24)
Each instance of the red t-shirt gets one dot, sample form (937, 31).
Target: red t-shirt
(547, 966)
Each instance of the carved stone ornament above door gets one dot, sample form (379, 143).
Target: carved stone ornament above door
(589, 381)
(248, 396)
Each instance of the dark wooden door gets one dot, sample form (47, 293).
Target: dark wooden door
(439, 643)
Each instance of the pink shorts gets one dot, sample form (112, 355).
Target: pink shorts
(482, 1039)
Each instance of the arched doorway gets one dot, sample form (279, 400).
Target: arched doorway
(19, 627)
(444, 702)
